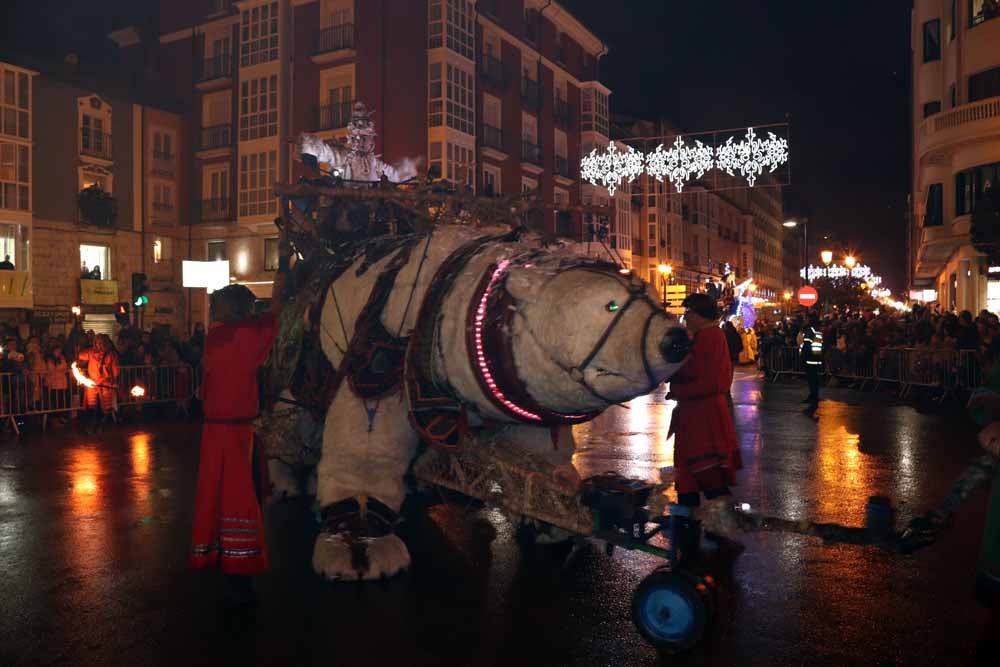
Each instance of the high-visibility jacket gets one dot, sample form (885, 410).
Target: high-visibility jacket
(812, 346)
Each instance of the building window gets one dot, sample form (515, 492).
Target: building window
(258, 174)
(98, 256)
(492, 114)
(982, 10)
(932, 108)
(271, 254)
(14, 104)
(560, 198)
(451, 100)
(15, 176)
(531, 25)
(436, 157)
(163, 146)
(163, 197)
(593, 111)
(452, 24)
(953, 96)
(336, 13)
(529, 128)
(952, 20)
(259, 108)
(528, 185)
(491, 181)
(934, 214)
(216, 251)
(157, 251)
(984, 85)
(932, 40)
(460, 163)
(972, 184)
(259, 35)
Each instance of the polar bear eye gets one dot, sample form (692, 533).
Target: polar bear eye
(612, 306)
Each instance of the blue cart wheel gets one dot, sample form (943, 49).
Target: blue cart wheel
(669, 611)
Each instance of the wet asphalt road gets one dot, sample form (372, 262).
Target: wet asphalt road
(94, 532)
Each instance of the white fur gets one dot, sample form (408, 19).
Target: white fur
(387, 556)
(283, 481)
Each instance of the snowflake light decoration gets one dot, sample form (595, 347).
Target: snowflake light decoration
(680, 162)
(752, 155)
(610, 167)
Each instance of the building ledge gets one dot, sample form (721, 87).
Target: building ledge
(532, 168)
(213, 153)
(562, 180)
(218, 83)
(328, 57)
(493, 153)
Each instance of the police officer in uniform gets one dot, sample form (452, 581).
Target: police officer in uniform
(812, 354)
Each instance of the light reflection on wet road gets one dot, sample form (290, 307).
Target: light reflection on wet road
(93, 536)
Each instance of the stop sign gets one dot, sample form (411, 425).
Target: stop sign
(808, 296)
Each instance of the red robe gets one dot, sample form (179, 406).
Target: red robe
(706, 451)
(228, 527)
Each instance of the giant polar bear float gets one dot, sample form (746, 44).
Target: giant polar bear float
(521, 338)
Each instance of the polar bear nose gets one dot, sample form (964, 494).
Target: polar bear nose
(675, 345)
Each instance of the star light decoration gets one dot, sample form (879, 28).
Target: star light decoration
(679, 163)
(611, 166)
(749, 157)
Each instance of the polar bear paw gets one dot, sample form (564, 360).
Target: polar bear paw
(343, 557)
(284, 483)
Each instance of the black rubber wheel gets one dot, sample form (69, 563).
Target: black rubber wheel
(671, 610)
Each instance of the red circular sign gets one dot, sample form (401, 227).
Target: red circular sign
(808, 296)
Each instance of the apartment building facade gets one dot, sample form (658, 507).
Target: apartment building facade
(956, 148)
(75, 130)
(498, 96)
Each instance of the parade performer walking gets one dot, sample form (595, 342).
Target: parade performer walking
(812, 355)
(100, 398)
(706, 451)
(228, 528)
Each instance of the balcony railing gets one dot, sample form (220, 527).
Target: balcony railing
(531, 152)
(216, 209)
(988, 12)
(562, 112)
(491, 69)
(333, 116)
(216, 136)
(562, 166)
(95, 144)
(216, 67)
(334, 38)
(530, 93)
(493, 137)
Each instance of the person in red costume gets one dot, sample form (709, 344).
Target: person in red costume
(228, 528)
(706, 451)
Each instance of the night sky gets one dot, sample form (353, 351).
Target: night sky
(838, 71)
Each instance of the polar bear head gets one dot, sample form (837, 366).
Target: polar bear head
(585, 336)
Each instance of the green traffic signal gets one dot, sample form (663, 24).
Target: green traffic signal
(141, 301)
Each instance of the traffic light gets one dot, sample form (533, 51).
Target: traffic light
(139, 287)
(121, 313)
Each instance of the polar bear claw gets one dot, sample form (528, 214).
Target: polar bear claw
(342, 557)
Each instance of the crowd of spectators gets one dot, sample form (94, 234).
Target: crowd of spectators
(35, 371)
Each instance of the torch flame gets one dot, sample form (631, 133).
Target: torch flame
(80, 377)
(137, 392)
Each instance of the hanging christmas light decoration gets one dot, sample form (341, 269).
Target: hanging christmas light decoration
(680, 162)
(610, 167)
(752, 155)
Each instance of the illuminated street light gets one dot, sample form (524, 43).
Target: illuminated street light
(665, 271)
(826, 256)
(849, 261)
(788, 296)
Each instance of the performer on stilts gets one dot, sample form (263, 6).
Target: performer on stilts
(228, 527)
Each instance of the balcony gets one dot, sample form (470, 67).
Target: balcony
(491, 70)
(531, 96)
(333, 43)
(98, 292)
(562, 170)
(531, 153)
(333, 116)
(493, 138)
(219, 6)
(988, 12)
(216, 137)
(15, 289)
(216, 210)
(970, 123)
(215, 72)
(95, 144)
(563, 113)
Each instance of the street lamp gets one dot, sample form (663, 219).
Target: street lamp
(827, 257)
(849, 262)
(665, 272)
(792, 224)
(788, 299)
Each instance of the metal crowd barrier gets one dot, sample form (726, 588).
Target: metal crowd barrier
(906, 368)
(43, 393)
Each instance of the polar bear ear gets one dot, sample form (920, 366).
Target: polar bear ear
(525, 283)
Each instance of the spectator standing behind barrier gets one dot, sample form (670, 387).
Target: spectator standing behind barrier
(812, 355)
(57, 379)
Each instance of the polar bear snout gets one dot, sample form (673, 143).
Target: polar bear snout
(675, 345)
